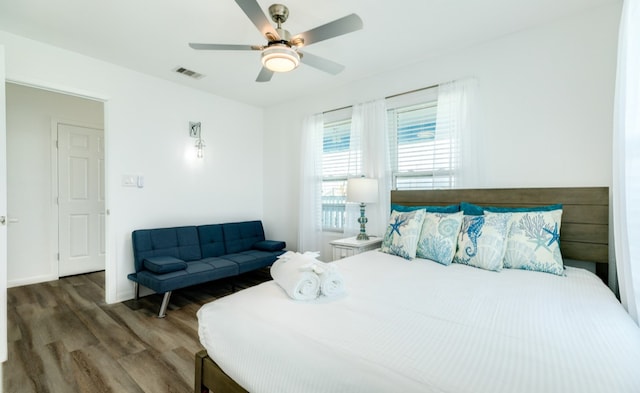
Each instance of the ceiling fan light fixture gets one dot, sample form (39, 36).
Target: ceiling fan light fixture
(280, 58)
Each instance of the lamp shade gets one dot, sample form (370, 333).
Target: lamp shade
(362, 190)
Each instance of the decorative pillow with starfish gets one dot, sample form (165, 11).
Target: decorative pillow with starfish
(402, 234)
(534, 242)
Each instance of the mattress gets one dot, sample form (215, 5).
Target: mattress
(418, 326)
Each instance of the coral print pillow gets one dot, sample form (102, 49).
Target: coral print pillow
(534, 242)
(482, 240)
(439, 237)
(403, 231)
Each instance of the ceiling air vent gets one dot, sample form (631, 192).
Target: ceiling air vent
(189, 73)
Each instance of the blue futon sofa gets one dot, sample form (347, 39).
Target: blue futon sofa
(172, 258)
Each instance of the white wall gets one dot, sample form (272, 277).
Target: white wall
(547, 104)
(146, 132)
(3, 230)
(30, 196)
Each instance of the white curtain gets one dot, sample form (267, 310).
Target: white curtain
(310, 215)
(457, 119)
(626, 159)
(369, 137)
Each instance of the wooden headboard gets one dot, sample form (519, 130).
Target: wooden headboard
(584, 233)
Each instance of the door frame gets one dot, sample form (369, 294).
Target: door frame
(110, 284)
(3, 212)
(54, 231)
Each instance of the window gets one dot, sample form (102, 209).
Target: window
(420, 159)
(336, 161)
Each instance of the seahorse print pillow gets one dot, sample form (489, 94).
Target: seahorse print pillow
(534, 242)
(439, 236)
(482, 240)
(403, 231)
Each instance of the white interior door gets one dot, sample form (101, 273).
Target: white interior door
(81, 207)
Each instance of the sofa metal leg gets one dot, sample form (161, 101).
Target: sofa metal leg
(136, 290)
(165, 303)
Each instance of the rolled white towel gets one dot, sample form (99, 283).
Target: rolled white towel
(331, 281)
(292, 254)
(294, 273)
(287, 255)
(312, 254)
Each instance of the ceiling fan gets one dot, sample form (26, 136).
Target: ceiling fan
(282, 51)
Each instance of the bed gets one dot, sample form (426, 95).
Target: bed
(420, 326)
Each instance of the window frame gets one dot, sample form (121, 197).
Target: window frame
(425, 98)
(335, 118)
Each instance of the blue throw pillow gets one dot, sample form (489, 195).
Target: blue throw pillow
(269, 245)
(430, 209)
(164, 264)
(471, 209)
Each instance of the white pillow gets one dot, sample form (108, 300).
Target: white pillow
(439, 236)
(534, 242)
(482, 240)
(403, 231)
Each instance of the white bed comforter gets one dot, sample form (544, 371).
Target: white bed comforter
(423, 327)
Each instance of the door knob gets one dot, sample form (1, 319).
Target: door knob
(3, 220)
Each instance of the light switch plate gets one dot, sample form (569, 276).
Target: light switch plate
(129, 180)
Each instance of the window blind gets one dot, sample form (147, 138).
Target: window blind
(335, 149)
(336, 157)
(420, 159)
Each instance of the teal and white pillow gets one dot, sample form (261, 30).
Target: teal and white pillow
(439, 237)
(482, 240)
(534, 242)
(402, 234)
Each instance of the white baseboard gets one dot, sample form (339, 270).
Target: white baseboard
(129, 295)
(31, 280)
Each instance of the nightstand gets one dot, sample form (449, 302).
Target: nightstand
(347, 247)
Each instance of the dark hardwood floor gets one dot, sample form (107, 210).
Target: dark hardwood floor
(64, 338)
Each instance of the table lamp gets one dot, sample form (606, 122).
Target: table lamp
(362, 190)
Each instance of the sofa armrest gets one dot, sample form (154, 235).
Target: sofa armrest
(269, 245)
(163, 264)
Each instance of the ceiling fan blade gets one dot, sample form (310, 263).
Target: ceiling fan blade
(223, 47)
(265, 75)
(344, 25)
(321, 63)
(252, 9)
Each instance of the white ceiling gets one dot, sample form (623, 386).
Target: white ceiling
(152, 36)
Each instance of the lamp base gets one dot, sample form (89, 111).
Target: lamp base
(362, 236)
(362, 220)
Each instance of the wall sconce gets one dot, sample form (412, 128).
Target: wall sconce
(194, 132)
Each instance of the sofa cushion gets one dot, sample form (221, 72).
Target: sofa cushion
(178, 242)
(222, 263)
(211, 240)
(269, 245)
(253, 259)
(240, 236)
(164, 264)
(196, 273)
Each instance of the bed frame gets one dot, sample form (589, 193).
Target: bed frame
(584, 236)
